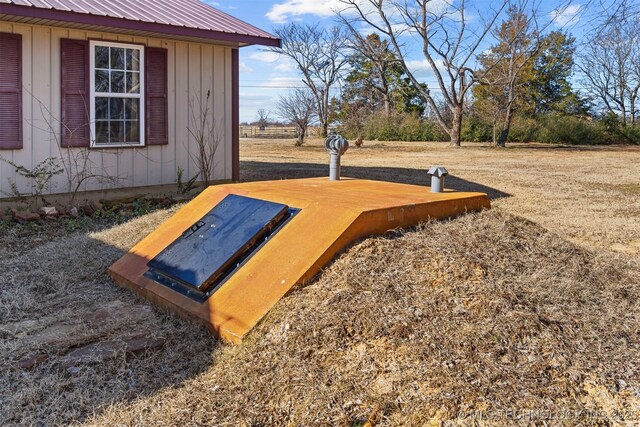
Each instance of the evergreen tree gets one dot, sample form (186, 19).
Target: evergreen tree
(507, 72)
(377, 81)
(551, 89)
(374, 74)
(525, 73)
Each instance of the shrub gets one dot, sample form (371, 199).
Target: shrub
(394, 127)
(524, 129)
(557, 129)
(562, 129)
(476, 130)
(40, 177)
(630, 134)
(617, 133)
(551, 128)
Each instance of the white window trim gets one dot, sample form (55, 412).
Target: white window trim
(92, 101)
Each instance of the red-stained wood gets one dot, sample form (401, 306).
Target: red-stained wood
(10, 91)
(74, 93)
(156, 96)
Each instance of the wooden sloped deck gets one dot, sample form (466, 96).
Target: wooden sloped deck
(333, 214)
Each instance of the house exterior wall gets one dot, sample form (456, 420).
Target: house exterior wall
(193, 69)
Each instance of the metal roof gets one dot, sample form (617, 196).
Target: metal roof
(183, 18)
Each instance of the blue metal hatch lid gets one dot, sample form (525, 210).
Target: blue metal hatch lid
(212, 247)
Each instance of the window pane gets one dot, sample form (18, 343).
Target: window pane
(133, 59)
(102, 132)
(102, 81)
(131, 108)
(117, 58)
(117, 132)
(117, 82)
(133, 131)
(102, 108)
(117, 71)
(133, 82)
(102, 57)
(116, 108)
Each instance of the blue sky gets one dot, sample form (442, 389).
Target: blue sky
(264, 76)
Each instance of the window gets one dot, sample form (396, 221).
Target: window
(117, 94)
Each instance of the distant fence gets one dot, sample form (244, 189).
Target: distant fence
(276, 132)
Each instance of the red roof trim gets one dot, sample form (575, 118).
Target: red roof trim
(153, 27)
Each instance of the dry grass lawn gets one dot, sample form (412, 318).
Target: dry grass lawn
(590, 195)
(526, 312)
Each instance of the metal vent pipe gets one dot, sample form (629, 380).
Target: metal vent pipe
(336, 146)
(437, 173)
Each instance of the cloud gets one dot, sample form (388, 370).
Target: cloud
(565, 15)
(251, 102)
(282, 83)
(281, 63)
(245, 68)
(286, 66)
(292, 10)
(264, 94)
(265, 56)
(423, 73)
(420, 68)
(416, 65)
(282, 13)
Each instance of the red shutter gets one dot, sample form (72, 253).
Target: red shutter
(10, 91)
(74, 93)
(156, 105)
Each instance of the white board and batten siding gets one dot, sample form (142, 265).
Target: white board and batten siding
(193, 69)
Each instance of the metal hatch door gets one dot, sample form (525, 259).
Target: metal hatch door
(198, 261)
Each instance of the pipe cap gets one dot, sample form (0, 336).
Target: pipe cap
(336, 144)
(438, 171)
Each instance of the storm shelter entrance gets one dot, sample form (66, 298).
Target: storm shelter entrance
(229, 255)
(198, 262)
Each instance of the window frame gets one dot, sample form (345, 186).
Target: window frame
(93, 94)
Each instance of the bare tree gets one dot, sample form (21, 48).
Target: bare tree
(263, 118)
(207, 136)
(506, 68)
(299, 108)
(610, 64)
(78, 167)
(320, 56)
(449, 44)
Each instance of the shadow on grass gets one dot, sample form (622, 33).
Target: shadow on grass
(565, 147)
(264, 171)
(64, 302)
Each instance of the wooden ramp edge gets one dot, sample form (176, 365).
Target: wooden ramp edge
(333, 214)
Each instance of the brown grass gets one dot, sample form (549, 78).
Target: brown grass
(590, 195)
(489, 315)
